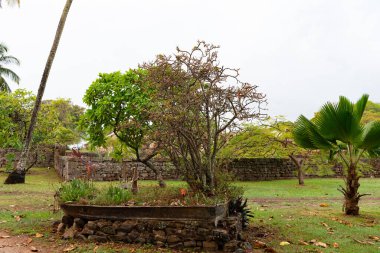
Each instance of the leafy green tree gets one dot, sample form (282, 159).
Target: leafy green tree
(5, 73)
(52, 128)
(338, 128)
(18, 175)
(118, 104)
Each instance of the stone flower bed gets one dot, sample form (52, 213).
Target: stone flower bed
(202, 228)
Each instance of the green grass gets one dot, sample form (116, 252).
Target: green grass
(287, 211)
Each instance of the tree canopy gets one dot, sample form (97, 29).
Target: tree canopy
(6, 73)
(57, 122)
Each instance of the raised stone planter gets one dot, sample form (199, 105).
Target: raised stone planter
(196, 227)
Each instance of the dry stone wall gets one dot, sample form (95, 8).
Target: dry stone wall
(257, 169)
(45, 155)
(104, 169)
(176, 234)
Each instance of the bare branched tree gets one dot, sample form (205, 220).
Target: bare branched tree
(198, 102)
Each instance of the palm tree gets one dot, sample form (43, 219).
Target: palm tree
(6, 72)
(338, 128)
(18, 175)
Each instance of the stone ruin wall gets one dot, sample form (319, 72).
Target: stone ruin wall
(45, 158)
(257, 169)
(176, 234)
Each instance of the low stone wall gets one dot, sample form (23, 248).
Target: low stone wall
(103, 169)
(177, 234)
(45, 155)
(260, 169)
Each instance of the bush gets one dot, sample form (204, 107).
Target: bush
(75, 190)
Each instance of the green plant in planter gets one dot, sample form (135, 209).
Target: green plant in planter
(76, 190)
(113, 195)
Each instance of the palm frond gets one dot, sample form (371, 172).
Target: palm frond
(360, 105)
(338, 122)
(4, 85)
(306, 135)
(10, 74)
(6, 59)
(371, 136)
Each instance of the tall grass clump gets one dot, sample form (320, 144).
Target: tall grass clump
(113, 195)
(76, 190)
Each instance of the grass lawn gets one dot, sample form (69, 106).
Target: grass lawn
(283, 210)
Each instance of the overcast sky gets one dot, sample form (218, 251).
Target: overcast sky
(300, 53)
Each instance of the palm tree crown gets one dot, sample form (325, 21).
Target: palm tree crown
(6, 72)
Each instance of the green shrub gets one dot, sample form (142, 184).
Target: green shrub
(113, 195)
(75, 190)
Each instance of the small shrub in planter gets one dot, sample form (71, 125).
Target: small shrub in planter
(76, 190)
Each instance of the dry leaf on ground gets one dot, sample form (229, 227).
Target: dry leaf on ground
(284, 243)
(38, 235)
(69, 248)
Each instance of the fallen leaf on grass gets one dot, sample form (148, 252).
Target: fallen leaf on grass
(69, 248)
(321, 244)
(284, 243)
(363, 242)
(375, 238)
(259, 244)
(323, 205)
(303, 243)
(96, 248)
(17, 218)
(335, 245)
(5, 236)
(38, 235)
(342, 221)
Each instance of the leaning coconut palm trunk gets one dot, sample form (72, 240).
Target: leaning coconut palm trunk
(18, 175)
(338, 128)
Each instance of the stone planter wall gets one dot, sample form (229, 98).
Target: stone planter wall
(193, 234)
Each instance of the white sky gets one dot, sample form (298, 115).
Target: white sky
(301, 53)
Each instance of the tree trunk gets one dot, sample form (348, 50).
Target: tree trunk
(300, 173)
(351, 195)
(21, 165)
(158, 173)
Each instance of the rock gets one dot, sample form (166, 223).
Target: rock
(133, 235)
(140, 227)
(176, 245)
(97, 238)
(68, 220)
(103, 223)
(80, 237)
(189, 244)
(61, 228)
(79, 222)
(231, 246)
(69, 233)
(173, 239)
(91, 225)
(248, 247)
(108, 230)
(210, 245)
(159, 235)
(87, 231)
(126, 226)
(55, 225)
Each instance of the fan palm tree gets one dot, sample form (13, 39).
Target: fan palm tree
(18, 175)
(6, 72)
(338, 128)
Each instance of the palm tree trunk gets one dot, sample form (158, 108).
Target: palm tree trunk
(351, 195)
(19, 173)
